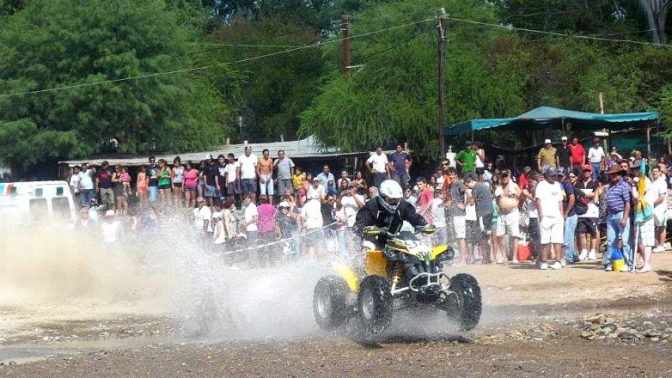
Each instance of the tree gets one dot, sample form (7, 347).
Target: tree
(656, 12)
(394, 95)
(74, 74)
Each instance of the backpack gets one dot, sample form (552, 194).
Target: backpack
(580, 202)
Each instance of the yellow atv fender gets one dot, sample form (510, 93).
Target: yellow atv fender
(348, 274)
(375, 265)
(439, 249)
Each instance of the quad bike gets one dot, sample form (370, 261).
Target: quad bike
(406, 273)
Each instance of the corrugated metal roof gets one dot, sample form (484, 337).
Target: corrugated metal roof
(298, 149)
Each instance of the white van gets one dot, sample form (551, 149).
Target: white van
(36, 201)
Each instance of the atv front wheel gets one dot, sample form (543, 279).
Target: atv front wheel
(329, 302)
(464, 307)
(374, 304)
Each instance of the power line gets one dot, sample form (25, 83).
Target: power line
(194, 69)
(556, 34)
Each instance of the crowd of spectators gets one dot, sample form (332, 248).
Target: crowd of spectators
(268, 211)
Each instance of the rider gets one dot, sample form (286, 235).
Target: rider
(388, 210)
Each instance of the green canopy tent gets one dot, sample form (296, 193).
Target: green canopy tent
(546, 117)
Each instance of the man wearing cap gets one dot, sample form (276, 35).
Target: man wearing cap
(619, 205)
(578, 153)
(569, 214)
(111, 232)
(548, 198)
(466, 159)
(316, 191)
(378, 166)
(331, 188)
(596, 157)
(547, 156)
(587, 223)
(563, 157)
(104, 184)
(248, 173)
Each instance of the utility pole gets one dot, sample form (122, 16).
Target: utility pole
(345, 22)
(442, 61)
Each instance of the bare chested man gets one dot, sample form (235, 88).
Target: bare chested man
(508, 197)
(265, 173)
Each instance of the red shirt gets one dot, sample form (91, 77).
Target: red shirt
(578, 153)
(424, 202)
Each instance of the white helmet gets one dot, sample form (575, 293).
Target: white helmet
(389, 195)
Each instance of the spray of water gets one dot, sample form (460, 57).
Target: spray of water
(166, 273)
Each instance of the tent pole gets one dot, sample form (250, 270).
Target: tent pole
(648, 141)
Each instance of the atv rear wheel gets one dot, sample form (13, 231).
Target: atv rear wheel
(464, 307)
(329, 305)
(374, 304)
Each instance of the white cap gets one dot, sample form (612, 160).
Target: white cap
(283, 204)
(563, 138)
(208, 156)
(547, 141)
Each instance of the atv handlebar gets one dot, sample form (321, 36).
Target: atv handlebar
(377, 231)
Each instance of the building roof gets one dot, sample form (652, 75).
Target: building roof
(297, 149)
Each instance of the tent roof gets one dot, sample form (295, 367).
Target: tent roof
(549, 117)
(307, 148)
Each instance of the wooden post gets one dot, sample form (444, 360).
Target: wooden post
(442, 101)
(345, 22)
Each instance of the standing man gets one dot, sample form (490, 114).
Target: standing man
(425, 200)
(232, 183)
(104, 184)
(587, 223)
(618, 212)
(548, 197)
(265, 174)
(250, 227)
(546, 156)
(74, 183)
(248, 173)
(86, 186)
(220, 179)
(596, 157)
(325, 176)
(456, 209)
(578, 154)
(378, 166)
(153, 182)
(563, 158)
(284, 170)
(398, 160)
(659, 188)
(569, 214)
(508, 194)
(481, 198)
(210, 173)
(466, 159)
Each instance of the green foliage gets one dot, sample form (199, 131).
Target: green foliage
(277, 76)
(95, 49)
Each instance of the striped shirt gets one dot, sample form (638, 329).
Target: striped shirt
(618, 195)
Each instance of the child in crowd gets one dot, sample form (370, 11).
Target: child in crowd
(126, 180)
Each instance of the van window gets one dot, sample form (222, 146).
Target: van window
(61, 207)
(38, 209)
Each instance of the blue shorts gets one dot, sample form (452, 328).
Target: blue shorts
(153, 193)
(210, 191)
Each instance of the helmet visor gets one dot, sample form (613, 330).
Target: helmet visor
(391, 201)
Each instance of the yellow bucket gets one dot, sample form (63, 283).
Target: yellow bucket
(616, 265)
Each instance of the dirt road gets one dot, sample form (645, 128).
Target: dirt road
(535, 323)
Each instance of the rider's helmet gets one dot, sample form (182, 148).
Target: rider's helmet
(389, 195)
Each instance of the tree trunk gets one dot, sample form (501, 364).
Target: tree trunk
(656, 17)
